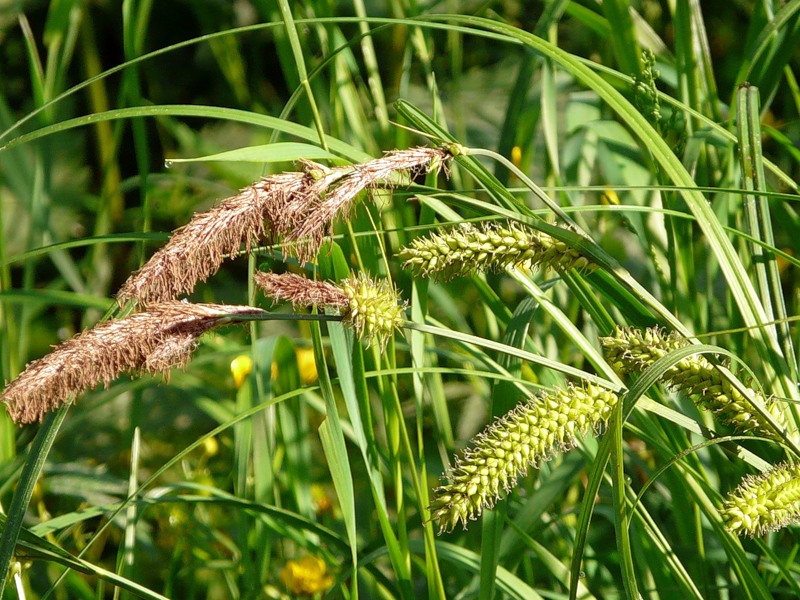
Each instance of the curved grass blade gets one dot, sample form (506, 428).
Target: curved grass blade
(22, 496)
(266, 153)
(738, 281)
(188, 110)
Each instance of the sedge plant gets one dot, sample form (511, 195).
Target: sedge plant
(526, 331)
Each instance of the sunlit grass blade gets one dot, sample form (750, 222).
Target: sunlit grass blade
(211, 112)
(759, 220)
(739, 284)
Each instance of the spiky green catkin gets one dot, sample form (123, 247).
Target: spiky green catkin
(525, 437)
(765, 502)
(372, 307)
(464, 249)
(632, 350)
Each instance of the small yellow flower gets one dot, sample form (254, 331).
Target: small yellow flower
(307, 365)
(211, 446)
(241, 366)
(516, 156)
(306, 576)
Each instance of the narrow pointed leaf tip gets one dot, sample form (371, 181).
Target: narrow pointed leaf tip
(372, 307)
(525, 437)
(466, 248)
(153, 341)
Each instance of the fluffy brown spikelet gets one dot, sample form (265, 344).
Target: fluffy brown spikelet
(152, 341)
(320, 212)
(297, 207)
(299, 290)
(196, 250)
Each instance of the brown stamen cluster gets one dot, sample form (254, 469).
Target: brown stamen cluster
(299, 207)
(153, 341)
(196, 250)
(299, 290)
(322, 210)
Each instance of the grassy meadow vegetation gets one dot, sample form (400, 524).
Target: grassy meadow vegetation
(401, 299)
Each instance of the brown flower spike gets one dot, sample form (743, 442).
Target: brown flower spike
(298, 207)
(196, 250)
(153, 342)
(320, 213)
(299, 290)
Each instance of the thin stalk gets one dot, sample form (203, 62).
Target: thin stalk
(297, 52)
(127, 551)
(373, 71)
(759, 221)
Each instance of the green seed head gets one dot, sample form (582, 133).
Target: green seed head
(765, 502)
(374, 309)
(525, 437)
(462, 250)
(632, 350)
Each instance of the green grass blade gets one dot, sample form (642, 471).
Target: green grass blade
(300, 64)
(759, 219)
(30, 474)
(210, 112)
(267, 153)
(739, 284)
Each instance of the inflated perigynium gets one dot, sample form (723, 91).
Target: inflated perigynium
(765, 502)
(372, 307)
(632, 350)
(525, 437)
(464, 249)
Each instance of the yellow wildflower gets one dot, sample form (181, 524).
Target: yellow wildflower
(610, 198)
(241, 366)
(306, 365)
(322, 502)
(306, 576)
(211, 446)
(516, 156)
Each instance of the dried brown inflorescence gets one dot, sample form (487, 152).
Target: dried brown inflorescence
(152, 342)
(298, 207)
(299, 290)
(321, 211)
(196, 250)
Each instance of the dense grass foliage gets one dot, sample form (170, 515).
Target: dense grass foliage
(485, 299)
